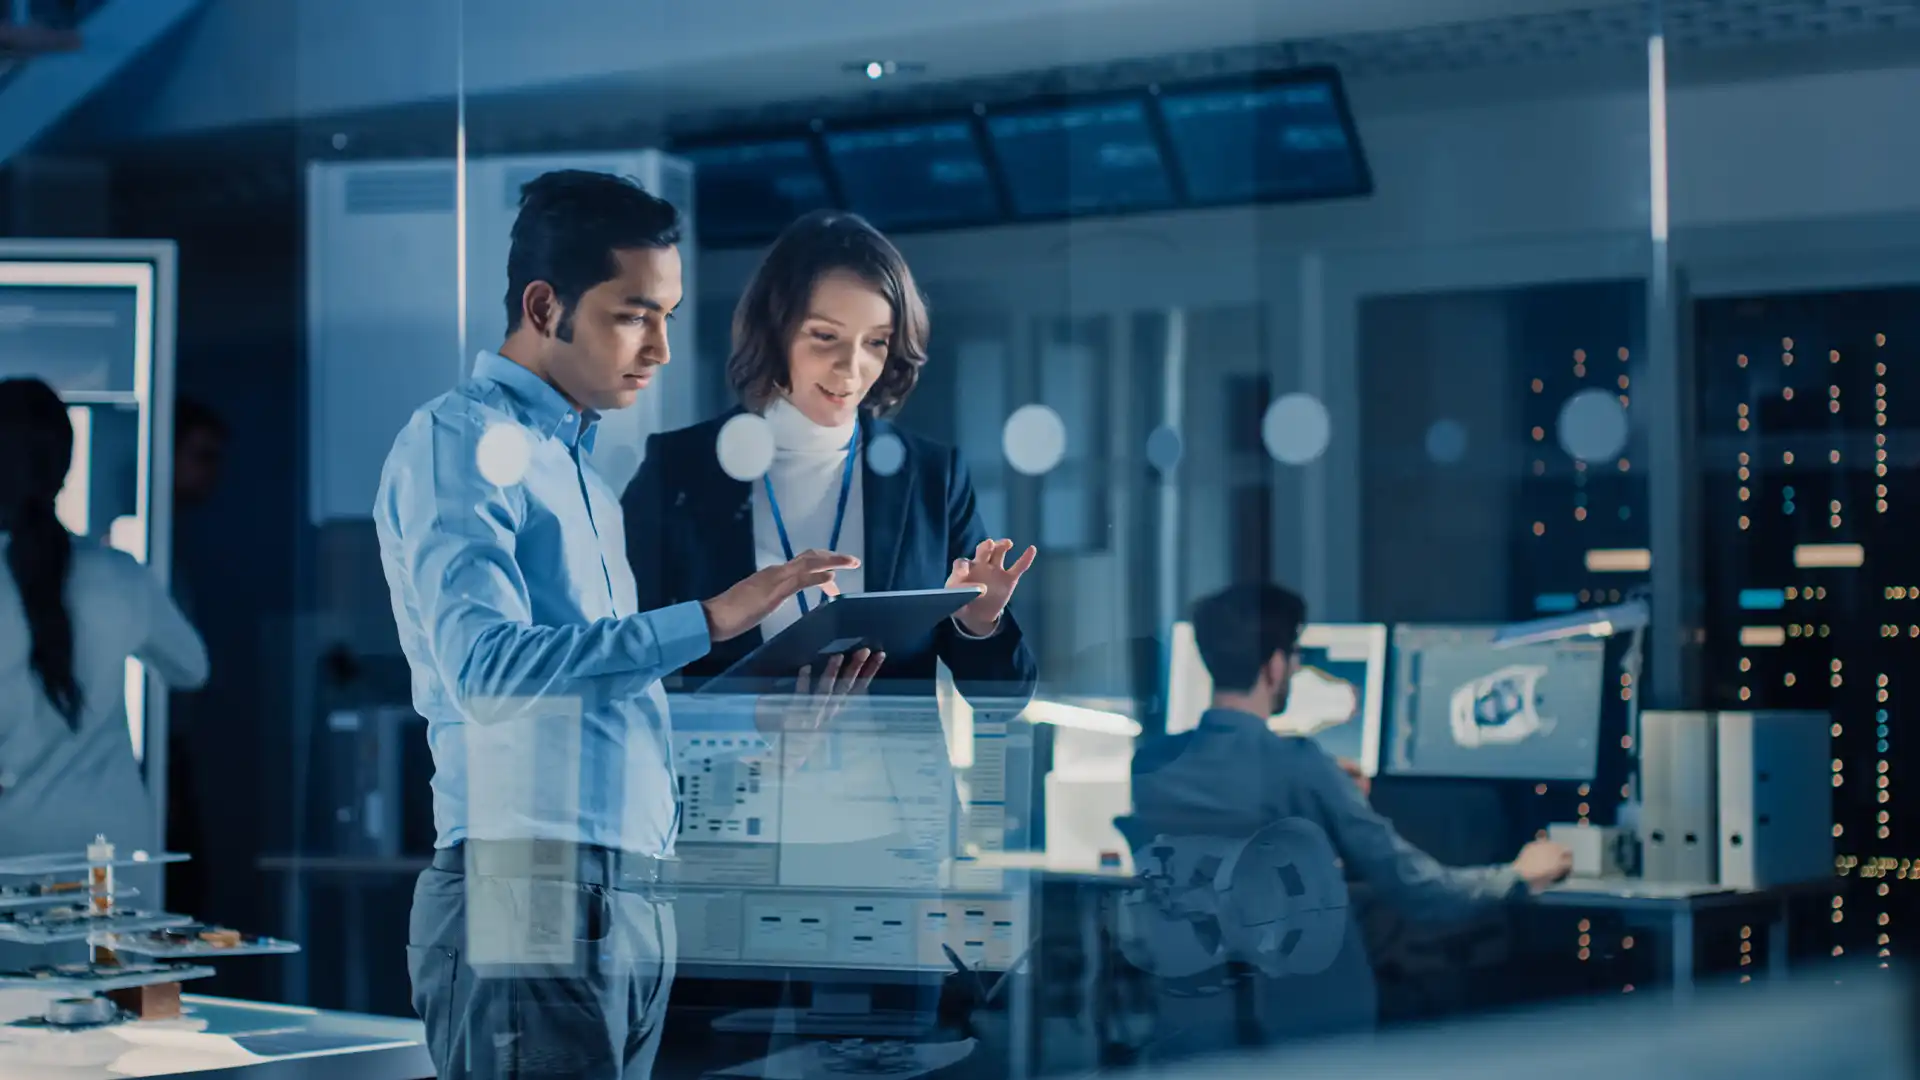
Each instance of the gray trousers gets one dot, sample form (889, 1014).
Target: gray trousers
(517, 977)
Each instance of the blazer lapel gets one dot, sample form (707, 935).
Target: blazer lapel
(884, 501)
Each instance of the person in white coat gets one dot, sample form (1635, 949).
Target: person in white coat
(71, 615)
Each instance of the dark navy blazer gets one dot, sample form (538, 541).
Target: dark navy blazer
(690, 537)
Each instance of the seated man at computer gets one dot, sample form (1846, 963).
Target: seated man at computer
(1285, 810)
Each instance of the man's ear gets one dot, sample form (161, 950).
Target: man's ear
(1276, 671)
(540, 308)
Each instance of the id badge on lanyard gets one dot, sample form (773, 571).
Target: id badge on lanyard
(839, 513)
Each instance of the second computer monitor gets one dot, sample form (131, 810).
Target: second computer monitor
(835, 853)
(1462, 708)
(1334, 697)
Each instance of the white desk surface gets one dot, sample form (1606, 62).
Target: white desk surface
(1630, 892)
(217, 1037)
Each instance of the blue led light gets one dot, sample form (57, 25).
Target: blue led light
(1787, 492)
(1881, 716)
(1555, 602)
(1625, 513)
(1883, 746)
(1763, 599)
(1787, 508)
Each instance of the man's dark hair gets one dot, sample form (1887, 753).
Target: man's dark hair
(190, 416)
(775, 303)
(570, 224)
(1239, 629)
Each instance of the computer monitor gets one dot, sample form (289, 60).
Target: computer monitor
(1096, 156)
(1334, 698)
(917, 175)
(1277, 136)
(836, 856)
(1463, 708)
(746, 191)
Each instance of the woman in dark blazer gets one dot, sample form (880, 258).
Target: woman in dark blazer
(828, 340)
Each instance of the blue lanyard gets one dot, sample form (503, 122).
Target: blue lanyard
(839, 513)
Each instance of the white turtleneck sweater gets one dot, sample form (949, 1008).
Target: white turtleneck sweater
(808, 462)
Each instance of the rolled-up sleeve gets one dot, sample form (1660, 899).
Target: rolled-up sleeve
(1417, 885)
(170, 646)
(454, 533)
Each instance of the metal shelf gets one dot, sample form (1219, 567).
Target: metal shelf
(77, 863)
(76, 896)
(148, 946)
(80, 929)
(67, 984)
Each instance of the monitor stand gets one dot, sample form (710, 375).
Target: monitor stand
(836, 1011)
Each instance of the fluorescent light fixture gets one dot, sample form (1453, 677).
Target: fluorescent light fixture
(1060, 714)
(1657, 137)
(1601, 622)
(1619, 560)
(1828, 556)
(1763, 637)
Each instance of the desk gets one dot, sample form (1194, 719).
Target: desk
(220, 1037)
(1674, 907)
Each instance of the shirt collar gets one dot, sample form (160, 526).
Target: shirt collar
(1232, 718)
(547, 412)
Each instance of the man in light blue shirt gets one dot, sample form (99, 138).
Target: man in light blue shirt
(539, 943)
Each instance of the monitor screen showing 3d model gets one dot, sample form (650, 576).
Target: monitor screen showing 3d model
(834, 850)
(1463, 708)
(1335, 696)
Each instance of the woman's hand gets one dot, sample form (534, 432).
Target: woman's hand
(989, 571)
(801, 718)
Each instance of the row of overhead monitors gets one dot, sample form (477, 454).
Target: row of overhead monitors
(1280, 137)
(1435, 701)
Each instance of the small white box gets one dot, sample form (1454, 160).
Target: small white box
(1595, 848)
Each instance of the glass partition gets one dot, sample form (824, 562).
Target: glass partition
(1318, 352)
(1380, 316)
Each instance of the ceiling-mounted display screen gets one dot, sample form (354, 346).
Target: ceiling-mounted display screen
(1095, 157)
(746, 192)
(915, 176)
(1279, 138)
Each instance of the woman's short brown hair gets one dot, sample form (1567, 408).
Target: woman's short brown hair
(771, 310)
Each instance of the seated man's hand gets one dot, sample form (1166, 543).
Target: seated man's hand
(1357, 775)
(1543, 863)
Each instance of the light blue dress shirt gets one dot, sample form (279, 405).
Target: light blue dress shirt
(505, 557)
